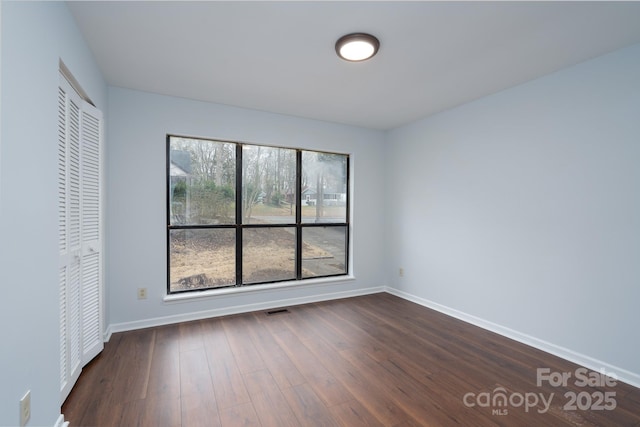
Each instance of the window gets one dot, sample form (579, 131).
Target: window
(241, 214)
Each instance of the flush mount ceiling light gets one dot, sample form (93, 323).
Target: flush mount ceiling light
(357, 47)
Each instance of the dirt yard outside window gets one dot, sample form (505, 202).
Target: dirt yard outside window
(202, 259)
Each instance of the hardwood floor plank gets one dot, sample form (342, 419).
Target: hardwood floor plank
(239, 416)
(195, 377)
(510, 364)
(261, 381)
(190, 335)
(197, 397)
(420, 402)
(227, 381)
(83, 404)
(151, 413)
(131, 375)
(94, 412)
(364, 361)
(247, 357)
(467, 343)
(199, 410)
(215, 338)
(461, 366)
(284, 372)
(433, 394)
(268, 401)
(308, 407)
(423, 372)
(354, 414)
(328, 327)
(362, 387)
(330, 390)
(272, 409)
(164, 373)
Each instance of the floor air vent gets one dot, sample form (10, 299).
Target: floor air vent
(277, 311)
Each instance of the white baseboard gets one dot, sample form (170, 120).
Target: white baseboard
(60, 422)
(186, 317)
(623, 375)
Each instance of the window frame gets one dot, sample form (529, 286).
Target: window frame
(239, 226)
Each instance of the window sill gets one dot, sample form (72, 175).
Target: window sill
(226, 292)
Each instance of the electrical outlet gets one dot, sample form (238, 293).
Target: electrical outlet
(142, 293)
(401, 272)
(25, 408)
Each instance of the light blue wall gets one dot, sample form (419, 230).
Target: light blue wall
(34, 37)
(523, 209)
(138, 125)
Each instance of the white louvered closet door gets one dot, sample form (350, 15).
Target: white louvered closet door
(80, 242)
(90, 222)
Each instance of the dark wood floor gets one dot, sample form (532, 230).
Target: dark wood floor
(375, 360)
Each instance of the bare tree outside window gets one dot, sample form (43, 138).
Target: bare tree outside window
(324, 187)
(268, 185)
(202, 182)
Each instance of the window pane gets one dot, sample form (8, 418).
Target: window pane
(324, 251)
(202, 259)
(268, 254)
(268, 185)
(202, 182)
(324, 187)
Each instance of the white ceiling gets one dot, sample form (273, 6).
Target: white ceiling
(280, 57)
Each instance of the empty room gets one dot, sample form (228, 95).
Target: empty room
(336, 213)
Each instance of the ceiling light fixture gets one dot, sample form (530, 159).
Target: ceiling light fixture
(357, 47)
